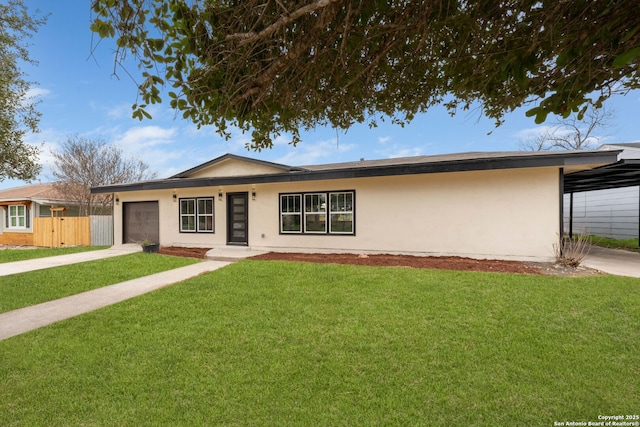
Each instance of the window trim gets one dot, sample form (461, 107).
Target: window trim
(351, 212)
(303, 213)
(298, 214)
(196, 215)
(306, 212)
(26, 215)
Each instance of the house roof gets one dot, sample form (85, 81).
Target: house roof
(218, 160)
(33, 192)
(459, 162)
(623, 145)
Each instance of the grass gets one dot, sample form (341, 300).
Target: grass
(266, 343)
(607, 242)
(24, 289)
(11, 255)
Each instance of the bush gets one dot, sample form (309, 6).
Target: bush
(570, 252)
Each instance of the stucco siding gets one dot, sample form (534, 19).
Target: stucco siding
(507, 214)
(231, 167)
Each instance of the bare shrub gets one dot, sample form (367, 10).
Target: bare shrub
(570, 252)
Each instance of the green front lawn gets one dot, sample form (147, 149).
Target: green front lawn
(11, 255)
(264, 343)
(24, 289)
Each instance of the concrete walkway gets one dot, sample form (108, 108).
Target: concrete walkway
(29, 318)
(56, 261)
(613, 261)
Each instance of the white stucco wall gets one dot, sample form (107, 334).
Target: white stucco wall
(503, 214)
(233, 167)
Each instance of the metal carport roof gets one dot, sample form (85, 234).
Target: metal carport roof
(623, 173)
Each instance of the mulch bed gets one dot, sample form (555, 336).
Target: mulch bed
(386, 260)
(199, 253)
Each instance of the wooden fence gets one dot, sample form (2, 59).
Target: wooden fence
(61, 231)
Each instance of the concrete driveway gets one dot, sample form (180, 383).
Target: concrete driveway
(613, 261)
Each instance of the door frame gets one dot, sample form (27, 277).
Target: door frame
(230, 220)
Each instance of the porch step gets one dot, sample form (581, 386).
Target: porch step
(232, 253)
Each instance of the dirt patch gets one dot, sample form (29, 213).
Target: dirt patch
(199, 253)
(385, 260)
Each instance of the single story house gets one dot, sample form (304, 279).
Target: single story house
(20, 205)
(500, 205)
(605, 211)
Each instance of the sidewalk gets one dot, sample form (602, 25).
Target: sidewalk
(29, 318)
(56, 261)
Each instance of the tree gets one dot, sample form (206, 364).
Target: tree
(81, 163)
(274, 66)
(571, 133)
(18, 114)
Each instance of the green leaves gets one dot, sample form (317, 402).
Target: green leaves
(18, 115)
(626, 58)
(540, 114)
(340, 62)
(103, 28)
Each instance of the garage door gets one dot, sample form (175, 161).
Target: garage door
(140, 222)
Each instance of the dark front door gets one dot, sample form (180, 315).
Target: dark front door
(237, 219)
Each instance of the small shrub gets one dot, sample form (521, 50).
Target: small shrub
(570, 252)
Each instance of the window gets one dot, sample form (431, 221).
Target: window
(290, 213)
(341, 213)
(196, 215)
(17, 216)
(317, 213)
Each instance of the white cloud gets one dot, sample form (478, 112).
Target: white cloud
(308, 153)
(37, 92)
(400, 151)
(119, 111)
(384, 139)
(532, 133)
(143, 137)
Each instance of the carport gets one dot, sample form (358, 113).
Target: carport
(623, 173)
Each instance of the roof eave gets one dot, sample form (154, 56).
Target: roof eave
(506, 162)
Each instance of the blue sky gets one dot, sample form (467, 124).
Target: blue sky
(79, 95)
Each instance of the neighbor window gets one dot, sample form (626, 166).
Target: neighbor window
(317, 213)
(196, 215)
(17, 216)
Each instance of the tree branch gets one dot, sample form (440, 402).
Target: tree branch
(247, 38)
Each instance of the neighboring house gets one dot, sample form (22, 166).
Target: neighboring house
(610, 212)
(483, 205)
(19, 206)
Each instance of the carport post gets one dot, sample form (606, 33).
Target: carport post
(571, 215)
